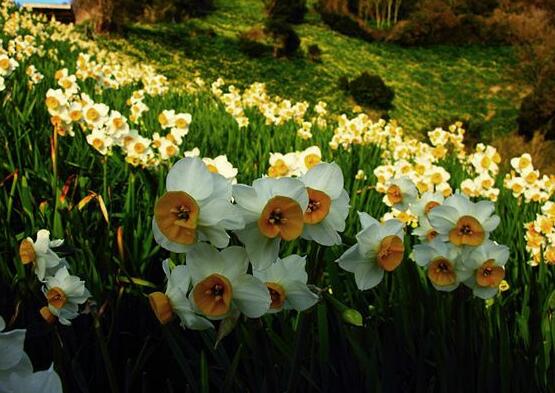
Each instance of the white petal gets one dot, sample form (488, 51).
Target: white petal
(236, 262)
(194, 321)
(43, 241)
(222, 187)
(423, 254)
(295, 266)
(351, 259)
(191, 176)
(366, 220)
(393, 227)
(182, 306)
(56, 243)
(251, 296)
(12, 348)
(204, 260)
(214, 211)
(46, 381)
(249, 201)
(484, 209)
(484, 293)
(268, 187)
(325, 177)
(216, 235)
(180, 277)
(233, 219)
(298, 296)
(321, 233)
(339, 211)
(368, 276)
(40, 268)
(262, 251)
(369, 239)
(491, 223)
(443, 218)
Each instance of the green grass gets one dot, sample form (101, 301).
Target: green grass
(412, 338)
(433, 85)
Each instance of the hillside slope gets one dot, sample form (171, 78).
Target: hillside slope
(432, 85)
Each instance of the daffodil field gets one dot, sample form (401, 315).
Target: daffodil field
(160, 236)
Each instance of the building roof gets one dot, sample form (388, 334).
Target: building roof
(48, 6)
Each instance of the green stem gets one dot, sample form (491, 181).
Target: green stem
(106, 357)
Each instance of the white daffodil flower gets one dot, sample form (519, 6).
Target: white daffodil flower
(221, 283)
(16, 370)
(427, 201)
(309, 158)
(175, 300)
(286, 282)
(96, 115)
(167, 118)
(401, 193)
(463, 222)
(64, 293)
(328, 204)
(421, 208)
(182, 122)
(487, 266)
(425, 231)
(222, 166)
(101, 141)
(196, 207)
(444, 267)
(40, 253)
(273, 209)
(379, 248)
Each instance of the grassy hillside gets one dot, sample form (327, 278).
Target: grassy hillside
(432, 85)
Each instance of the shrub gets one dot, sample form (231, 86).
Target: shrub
(371, 90)
(286, 40)
(314, 53)
(343, 84)
(537, 113)
(440, 22)
(476, 7)
(290, 11)
(194, 8)
(112, 15)
(346, 25)
(532, 32)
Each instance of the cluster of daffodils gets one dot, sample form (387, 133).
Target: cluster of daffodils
(35, 77)
(454, 232)
(295, 163)
(484, 163)
(420, 175)
(452, 138)
(111, 71)
(526, 182)
(16, 370)
(276, 110)
(196, 215)
(357, 131)
(540, 236)
(63, 292)
(305, 132)
(107, 128)
(232, 102)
